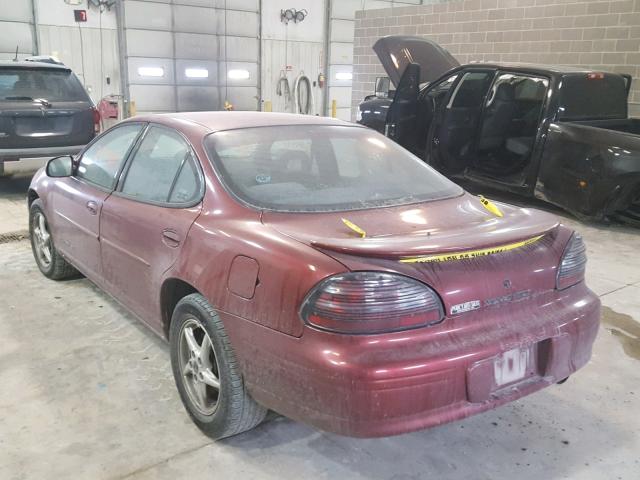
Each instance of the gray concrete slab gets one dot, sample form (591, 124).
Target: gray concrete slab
(87, 393)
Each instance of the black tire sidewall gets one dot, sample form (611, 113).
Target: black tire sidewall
(36, 207)
(218, 422)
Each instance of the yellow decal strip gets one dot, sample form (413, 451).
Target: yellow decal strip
(447, 257)
(354, 227)
(489, 205)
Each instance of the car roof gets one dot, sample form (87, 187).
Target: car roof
(223, 120)
(532, 67)
(32, 65)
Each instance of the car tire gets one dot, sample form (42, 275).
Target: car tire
(229, 409)
(51, 264)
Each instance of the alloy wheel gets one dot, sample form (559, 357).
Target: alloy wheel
(199, 366)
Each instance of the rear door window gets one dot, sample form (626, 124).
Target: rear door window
(101, 162)
(54, 85)
(162, 170)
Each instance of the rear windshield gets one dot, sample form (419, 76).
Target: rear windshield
(592, 97)
(18, 84)
(316, 168)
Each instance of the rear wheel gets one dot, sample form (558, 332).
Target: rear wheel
(49, 261)
(206, 371)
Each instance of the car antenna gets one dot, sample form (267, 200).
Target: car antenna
(15, 59)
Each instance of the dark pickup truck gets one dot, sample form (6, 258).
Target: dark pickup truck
(561, 134)
(44, 111)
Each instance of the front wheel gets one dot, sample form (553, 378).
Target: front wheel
(206, 371)
(49, 261)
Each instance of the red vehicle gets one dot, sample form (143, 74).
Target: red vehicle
(315, 268)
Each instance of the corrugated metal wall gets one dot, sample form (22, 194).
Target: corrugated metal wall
(17, 29)
(196, 35)
(90, 48)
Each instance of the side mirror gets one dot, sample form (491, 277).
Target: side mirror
(383, 84)
(60, 166)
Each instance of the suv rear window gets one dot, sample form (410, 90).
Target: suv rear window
(593, 97)
(54, 85)
(319, 168)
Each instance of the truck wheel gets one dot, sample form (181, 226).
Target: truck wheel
(206, 371)
(49, 261)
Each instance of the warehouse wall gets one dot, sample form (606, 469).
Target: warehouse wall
(90, 48)
(340, 46)
(16, 25)
(191, 34)
(603, 35)
(298, 45)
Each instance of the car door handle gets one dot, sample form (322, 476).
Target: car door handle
(92, 207)
(171, 238)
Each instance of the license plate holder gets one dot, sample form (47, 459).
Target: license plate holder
(513, 365)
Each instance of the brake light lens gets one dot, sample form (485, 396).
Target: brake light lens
(573, 263)
(371, 302)
(96, 120)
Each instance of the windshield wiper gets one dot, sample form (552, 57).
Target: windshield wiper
(18, 97)
(43, 101)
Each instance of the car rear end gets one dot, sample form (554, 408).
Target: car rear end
(393, 346)
(44, 111)
(436, 304)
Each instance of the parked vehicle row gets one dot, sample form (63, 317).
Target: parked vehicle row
(560, 134)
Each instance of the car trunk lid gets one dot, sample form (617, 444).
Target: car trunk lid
(482, 260)
(397, 51)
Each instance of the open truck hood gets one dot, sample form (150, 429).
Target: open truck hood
(397, 51)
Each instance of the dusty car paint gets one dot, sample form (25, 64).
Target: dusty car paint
(257, 267)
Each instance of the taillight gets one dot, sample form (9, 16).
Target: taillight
(96, 120)
(371, 302)
(572, 265)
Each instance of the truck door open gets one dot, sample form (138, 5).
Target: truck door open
(457, 122)
(402, 117)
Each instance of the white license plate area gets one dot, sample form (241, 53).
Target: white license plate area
(512, 366)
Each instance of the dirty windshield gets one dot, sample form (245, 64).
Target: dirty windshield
(313, 168)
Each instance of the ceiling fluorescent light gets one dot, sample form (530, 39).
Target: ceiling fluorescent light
(196, 73)
(151, 71)
(238, 74)
(344, 76)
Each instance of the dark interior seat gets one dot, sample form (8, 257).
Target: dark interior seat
(498, 118)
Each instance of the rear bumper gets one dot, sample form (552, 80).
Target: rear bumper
(8, 154)
(379, 385)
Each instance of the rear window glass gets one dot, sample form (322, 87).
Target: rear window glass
(54, 85)
(315, 168)
(599, 97)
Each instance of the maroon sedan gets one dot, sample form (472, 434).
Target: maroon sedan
(315, 268)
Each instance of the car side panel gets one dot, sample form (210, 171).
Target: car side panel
(139, 242)
(592, 172)
(287, 269)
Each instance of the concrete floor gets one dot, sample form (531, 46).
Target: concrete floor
(86, 392)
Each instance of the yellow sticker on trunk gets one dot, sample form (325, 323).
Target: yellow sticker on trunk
(489, 205)
(470, 254)
(354, 227)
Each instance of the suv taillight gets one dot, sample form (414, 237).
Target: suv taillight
(573, 262)
(96, 120)
(371, 302)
